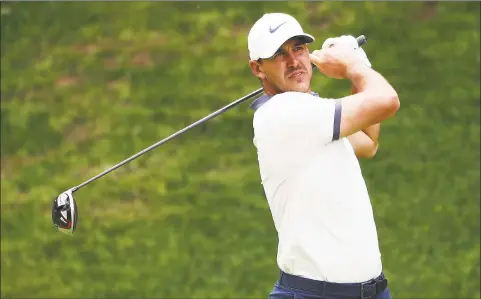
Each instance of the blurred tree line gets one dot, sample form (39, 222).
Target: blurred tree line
(85, 85)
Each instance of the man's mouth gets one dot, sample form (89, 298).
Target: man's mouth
(296, 74)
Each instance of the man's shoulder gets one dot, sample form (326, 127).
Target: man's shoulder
(290, 103)
(298, 100)
(295, 94)
(293, 98)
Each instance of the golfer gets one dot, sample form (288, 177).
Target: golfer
(308, 149)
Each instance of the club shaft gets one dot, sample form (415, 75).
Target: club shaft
(210, 116)
(361, 41)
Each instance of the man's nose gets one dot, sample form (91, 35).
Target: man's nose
(292, 60)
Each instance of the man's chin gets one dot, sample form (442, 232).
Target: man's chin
(304, 87)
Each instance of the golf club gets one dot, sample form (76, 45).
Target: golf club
(64, 208)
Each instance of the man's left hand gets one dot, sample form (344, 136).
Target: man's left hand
(348, 40)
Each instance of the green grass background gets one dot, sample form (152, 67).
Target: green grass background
(85, 85)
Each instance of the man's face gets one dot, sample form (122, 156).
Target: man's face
(289, 69)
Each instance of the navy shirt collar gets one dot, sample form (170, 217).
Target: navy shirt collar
(263, 99)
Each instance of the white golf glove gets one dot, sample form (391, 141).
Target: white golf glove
(348, 40)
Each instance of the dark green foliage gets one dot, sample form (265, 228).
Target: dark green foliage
(86, 85)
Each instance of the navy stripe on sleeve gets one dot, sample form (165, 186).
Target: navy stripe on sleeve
(337, 121)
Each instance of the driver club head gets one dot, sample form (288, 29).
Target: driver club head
(64, 213)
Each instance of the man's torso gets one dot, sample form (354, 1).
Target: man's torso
(318, 199)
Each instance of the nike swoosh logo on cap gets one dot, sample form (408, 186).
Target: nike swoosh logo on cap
(275, 29)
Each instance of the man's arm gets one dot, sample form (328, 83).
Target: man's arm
(376, 100)
(365, 142)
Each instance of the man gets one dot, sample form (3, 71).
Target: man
(307, 147)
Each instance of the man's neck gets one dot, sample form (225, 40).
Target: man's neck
(263, 99)
(272, 91)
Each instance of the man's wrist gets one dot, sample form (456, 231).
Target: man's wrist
(357, 70)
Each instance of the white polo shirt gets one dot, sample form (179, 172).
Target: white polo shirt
(315, 189)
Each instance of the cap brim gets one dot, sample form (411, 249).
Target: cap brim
(268, 54)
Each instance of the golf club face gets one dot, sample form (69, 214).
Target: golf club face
(64, 213)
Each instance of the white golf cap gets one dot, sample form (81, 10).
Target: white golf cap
(269, 33)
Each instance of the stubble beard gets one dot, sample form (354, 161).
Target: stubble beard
(304, 87)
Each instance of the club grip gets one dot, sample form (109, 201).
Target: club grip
(361, 40)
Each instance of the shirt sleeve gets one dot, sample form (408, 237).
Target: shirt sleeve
(302, 116)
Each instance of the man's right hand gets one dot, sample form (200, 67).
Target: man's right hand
(375, 101)
(337, 61)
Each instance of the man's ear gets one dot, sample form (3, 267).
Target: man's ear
(257, 69)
